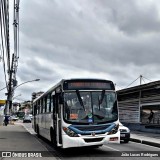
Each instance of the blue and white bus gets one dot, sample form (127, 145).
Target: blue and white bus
(77, 113)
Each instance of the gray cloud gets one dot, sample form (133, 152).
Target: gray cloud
(132, 17)
(117, 40)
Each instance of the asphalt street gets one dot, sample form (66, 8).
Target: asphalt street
(126, 151)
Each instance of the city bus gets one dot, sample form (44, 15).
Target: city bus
(77, 113)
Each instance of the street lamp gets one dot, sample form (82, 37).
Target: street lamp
(26, 82)
(9, 99)
(21, 84)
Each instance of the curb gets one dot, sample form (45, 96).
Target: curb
(151, 143)
(145, 142)
(135, 140)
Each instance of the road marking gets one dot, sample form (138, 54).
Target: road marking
(30, 130)
(112, 148)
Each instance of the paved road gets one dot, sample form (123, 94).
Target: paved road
(109, 152)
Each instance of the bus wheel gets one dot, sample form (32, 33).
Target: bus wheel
(126, 141)
(53, 138)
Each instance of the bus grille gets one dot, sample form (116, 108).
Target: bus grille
(92, 128)
(89, 140)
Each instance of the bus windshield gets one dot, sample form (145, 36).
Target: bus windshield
(90, 107)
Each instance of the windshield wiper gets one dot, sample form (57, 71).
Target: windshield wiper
(102, 97)
(80, 99)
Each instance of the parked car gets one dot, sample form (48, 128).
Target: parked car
(124, 133)
(31, 116)
(14, 118)
(27, 119)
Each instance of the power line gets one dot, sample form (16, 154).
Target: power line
(2, 88)
(16, 34)
(5, 24)
(141, 78)
(3, 36)
(147, 78)
(132, 82)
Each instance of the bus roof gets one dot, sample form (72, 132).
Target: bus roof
(78, 80)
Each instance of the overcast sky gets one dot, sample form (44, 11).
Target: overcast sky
(109, 39)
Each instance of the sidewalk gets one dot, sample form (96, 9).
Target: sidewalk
(16, 140)
(151, 139)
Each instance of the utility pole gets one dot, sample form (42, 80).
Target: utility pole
(11, 64)
(10, 89)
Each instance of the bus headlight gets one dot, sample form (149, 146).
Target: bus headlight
(69, 132)
(114, 130)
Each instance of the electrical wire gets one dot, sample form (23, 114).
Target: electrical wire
(147, 78)
(2, 88)
(5, 24)
(143, 79)
(16, 34)
(138, 78)
(16, 26)
(2, 39)
(8, 39)
(1, 53)
(132, 82)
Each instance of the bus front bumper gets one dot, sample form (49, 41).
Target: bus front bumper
(89, 140)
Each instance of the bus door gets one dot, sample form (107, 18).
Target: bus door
(58, 122)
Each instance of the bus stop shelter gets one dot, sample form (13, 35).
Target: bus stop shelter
(140, 104)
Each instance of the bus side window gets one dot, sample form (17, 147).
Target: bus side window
(44, 105)
(52, 103)
(48, 103)
(41, 105)
(35, 109)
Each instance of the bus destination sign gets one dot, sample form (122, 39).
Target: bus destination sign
(89, 85)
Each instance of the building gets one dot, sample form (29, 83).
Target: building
(26, 107)
(140, 105)
(36, 94)
(15, 107)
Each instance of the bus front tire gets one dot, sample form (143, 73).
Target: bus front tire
(126, 141)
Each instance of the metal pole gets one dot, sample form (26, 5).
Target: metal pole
(9, 96)
(140, 79)
(139, 119)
